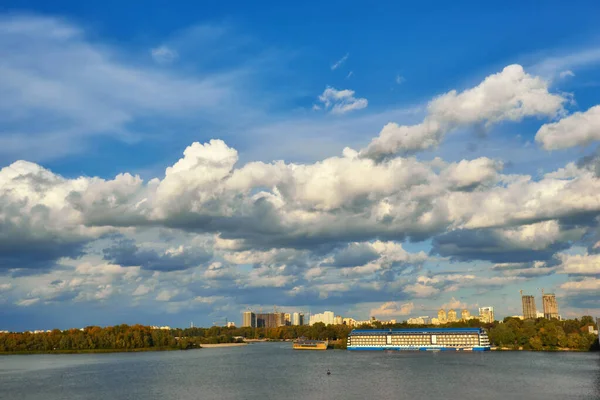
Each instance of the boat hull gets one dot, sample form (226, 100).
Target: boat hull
(401, 348)
(320, 347)
(310, 345)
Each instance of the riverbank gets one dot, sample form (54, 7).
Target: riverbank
(90, 351)
(542, 350)
(99, 351)
(217, 345)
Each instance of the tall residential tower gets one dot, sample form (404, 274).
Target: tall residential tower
(550, 305)
(249, 319)
(529, 310)
(486, 314)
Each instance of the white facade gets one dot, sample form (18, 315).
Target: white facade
(328, 318)
(486, 314)
(297, 318)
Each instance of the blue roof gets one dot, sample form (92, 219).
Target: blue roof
(418, 330)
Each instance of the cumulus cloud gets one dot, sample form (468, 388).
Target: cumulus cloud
(578, 129)
(509, 95)
(219, 271)
(36, 229)
(432, 285)
(587, 285)
(421, 289)
(335, 201)
(341, 101)
(328, 233)
(455, 304)
(580, 264)
(527, 269)
(392, 309)
(141, 290)
(355, 254)
(526, 243)
(128, 254)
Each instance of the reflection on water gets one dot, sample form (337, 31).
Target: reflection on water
(274, 371)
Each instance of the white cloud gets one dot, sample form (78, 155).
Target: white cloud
(164, 54)
(565, 74)
(341, 101)
(27, 302)
(399, 79)
(259, 213)
(455, 304)
(142, 290)
(350, 74)
(578, 129)
(219, 271)
(60, 89)
(591, 285)
(569, 60)
(509, 95)
(580, 264)
(421, 290)
(340, 62)
(392, 309)
(167, 295)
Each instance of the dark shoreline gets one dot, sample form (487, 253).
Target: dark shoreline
(93, 351)
(557, 350)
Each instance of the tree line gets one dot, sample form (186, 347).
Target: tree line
(94, 338)
(511, 333)
(543, 334)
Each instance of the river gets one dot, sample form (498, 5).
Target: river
(275, 371)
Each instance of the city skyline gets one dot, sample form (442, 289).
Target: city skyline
(194, 161)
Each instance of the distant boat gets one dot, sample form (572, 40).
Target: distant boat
(303, 344)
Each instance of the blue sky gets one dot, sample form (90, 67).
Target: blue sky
(171, 163)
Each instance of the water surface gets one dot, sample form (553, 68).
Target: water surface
(274, 371)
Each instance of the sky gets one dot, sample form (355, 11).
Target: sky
(170, 163)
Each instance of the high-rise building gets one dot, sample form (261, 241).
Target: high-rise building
(270, 320)
(486, 314)
(288, 318)
(416, 321)
(529, 310)
(338, 320)
(451, 316)
(465, 315)
(249, 319)
(442, 316)
(328, 318)
(550, 306)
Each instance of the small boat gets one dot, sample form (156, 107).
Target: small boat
(303, 344)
